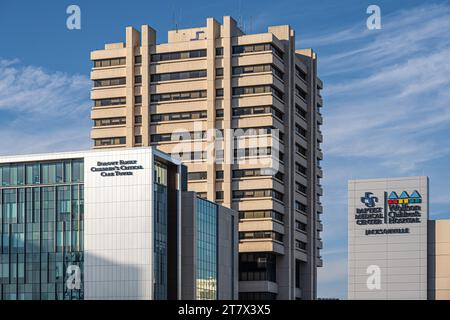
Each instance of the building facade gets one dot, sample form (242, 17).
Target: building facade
(187, 97)
(105, 224)
(394, 251)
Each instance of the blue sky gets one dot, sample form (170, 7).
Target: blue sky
(387, 92)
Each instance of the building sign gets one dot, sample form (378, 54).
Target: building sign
(117, 168)
(403, 209)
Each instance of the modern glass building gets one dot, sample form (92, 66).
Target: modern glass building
(207, 249)
(105, 225)
(41, 226)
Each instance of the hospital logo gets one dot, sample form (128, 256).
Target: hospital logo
(369, 200)
(404, 198)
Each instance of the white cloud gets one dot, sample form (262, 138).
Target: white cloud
(42, 111)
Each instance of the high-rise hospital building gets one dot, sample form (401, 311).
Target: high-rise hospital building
(190, 96)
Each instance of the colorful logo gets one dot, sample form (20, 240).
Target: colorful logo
(369, 200)
(405, 198)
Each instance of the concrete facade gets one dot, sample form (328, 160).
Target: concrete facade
(217, 77)
(439, 260)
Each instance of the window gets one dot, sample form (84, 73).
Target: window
(252, 152)
(109, 141)
(178, 55)
(258, 68)
(219, 175)
(219, 113)
(110, 122)
(109, 82)
(219, 72)
(110, 102)
(300, 225)
(138, 139)
(244, 173)
(178, 75)
(257, 267)
(299, 72)
(300, 187)
(258, 48)
(302, 113)
(300, 150)
(219, 195)
(178, 136)
(109, 62)
(178, 116)
(219, 92)
(300, 245)
(239, 194)
(178, 96)
(300, 168)
(301, 131)
(137, 99)
(300, 207)
(197, 175)
(137, 79)
(261, 235)
(137, 119)
(299, 91)
(219, 51)
(138, 59)
(261, 214)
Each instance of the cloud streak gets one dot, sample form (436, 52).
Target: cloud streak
(42, 111)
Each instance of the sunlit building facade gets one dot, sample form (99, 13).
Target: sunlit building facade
(108, 225)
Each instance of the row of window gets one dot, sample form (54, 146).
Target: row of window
(178, 116)
(110, 122)
(257, 267)
(178, 75)
(259, 214)
(178, 136)
(258, 48)
(202, 175)
(261, 193)
(258, 68)
(261, 235)
(41, 173)
(109, 62)
(245, 173)
(257, 89)
(178, 96)
(178, 55)
(110, 141)
(110, 102)
(110, 82)
(258, 110)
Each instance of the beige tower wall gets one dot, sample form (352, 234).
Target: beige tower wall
(439, 260)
